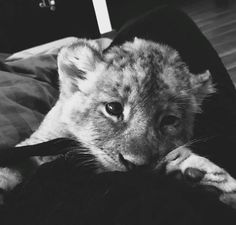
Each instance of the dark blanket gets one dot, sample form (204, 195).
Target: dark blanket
(67, 191)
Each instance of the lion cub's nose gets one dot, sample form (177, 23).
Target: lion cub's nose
(135, 162)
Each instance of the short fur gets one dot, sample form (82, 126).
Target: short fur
(150, 81)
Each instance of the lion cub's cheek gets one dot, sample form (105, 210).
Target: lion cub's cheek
(76, 108)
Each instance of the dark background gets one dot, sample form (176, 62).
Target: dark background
(24, 24)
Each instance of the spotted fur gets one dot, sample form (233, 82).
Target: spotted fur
(151, 82)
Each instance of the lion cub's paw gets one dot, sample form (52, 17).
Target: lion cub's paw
(9, 178)
(229, 199)
(199, 170)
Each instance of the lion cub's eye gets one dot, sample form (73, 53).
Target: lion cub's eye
(169, 123)
(114, 108)
(169, 120)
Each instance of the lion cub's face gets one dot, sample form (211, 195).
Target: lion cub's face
(133, 103)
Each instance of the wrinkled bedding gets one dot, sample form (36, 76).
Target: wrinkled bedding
(28, 89)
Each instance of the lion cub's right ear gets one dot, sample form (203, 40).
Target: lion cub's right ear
(74, 62)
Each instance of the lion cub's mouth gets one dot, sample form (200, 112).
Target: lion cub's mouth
(121, 164)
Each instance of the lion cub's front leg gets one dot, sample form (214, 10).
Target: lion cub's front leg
(201, 171)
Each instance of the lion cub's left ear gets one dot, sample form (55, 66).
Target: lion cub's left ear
(202, 86)
(75, 61)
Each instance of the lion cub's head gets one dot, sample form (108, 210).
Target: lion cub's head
(130, 105)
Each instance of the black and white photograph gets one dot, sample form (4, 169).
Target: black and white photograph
(117, 112)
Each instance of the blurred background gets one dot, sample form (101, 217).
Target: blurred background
(25, 24)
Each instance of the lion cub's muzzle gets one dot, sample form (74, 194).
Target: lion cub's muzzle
(137, 163)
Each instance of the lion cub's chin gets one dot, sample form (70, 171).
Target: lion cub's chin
(110, 166)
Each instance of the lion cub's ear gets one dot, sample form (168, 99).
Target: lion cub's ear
(202, 86)
(74, 62)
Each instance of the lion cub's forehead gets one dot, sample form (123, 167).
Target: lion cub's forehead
(143, 68)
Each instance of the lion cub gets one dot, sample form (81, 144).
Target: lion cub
(132, 106)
